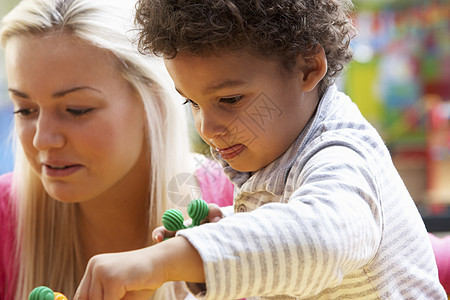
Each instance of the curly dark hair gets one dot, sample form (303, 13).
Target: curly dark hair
(279, 30)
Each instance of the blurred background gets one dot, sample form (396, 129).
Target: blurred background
(6, 161)
(399, 78)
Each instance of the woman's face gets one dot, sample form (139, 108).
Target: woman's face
(80, 123)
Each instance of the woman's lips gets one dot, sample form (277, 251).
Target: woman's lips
(231, 152)
(59, 171)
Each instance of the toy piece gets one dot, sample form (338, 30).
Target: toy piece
(59, 296)
(45, 293)
(172, 219)
(197, 210)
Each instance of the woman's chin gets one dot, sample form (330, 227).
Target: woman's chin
(64, 196)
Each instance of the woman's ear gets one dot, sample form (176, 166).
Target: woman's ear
(313, 69)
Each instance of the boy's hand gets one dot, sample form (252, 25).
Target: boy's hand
(137, 274)
(214, 215)
(126, 275)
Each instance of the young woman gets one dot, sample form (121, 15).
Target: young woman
(99, 139)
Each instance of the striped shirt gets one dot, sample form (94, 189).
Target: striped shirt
(329, 219)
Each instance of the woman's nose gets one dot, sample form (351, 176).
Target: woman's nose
(48, 133)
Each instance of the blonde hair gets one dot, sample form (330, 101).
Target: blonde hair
(48, 249)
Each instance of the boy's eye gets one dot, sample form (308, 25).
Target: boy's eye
(193, 104)
(26, 112)
(78, 112)
(231, 100)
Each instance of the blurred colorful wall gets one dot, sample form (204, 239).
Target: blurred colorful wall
(400, 79)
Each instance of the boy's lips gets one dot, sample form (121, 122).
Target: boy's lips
(231, 152)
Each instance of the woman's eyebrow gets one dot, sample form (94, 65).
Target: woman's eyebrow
(58, 94)
(62, 93)
(18, 93)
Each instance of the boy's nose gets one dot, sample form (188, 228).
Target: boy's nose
(211, 126)
(48, 133)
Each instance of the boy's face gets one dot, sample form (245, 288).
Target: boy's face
(243, 106)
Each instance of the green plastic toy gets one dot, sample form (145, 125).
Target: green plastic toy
(173, 220)
(45, 293)
(41, 293)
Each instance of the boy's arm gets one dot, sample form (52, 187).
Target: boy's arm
(140, 272)
(329, 228)
(181, 261)
(227, 211)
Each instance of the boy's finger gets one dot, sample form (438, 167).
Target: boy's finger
(82, 292)
(215, 213)
(96, 292)
(110, 291)
(160, 233)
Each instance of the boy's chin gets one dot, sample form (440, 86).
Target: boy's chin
(242, 167)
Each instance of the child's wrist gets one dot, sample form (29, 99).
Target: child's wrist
(180, 261)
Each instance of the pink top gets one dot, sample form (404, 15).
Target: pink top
(7, 234)
(214, 185)
(441, 248)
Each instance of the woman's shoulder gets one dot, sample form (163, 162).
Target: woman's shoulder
(7, 232)
(6, 179)
(5, 199)
(6, 203)
(5, 188)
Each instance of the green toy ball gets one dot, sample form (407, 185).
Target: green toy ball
(41, 293)
(197, 210)
(172, 219)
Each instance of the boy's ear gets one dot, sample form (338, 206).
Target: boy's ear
(313, 69)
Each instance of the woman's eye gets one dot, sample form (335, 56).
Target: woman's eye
(189, 101)
(78, 112)
(26, 112)
(231, 100)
